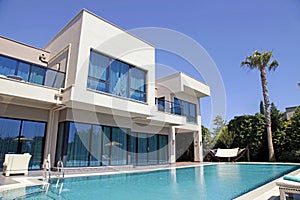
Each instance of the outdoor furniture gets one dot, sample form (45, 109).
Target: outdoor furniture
(16, 164)
(230, 154)
(289, 187)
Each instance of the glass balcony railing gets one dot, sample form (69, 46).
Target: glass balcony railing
(177, 107)
(28, 72)
(168, 106)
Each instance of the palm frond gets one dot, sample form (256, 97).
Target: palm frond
(273, 65)
(260, 61)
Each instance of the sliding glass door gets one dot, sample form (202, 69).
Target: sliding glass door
(118, 146)
(78, 144)
(22, 136)
(82, 145)
(96, 144)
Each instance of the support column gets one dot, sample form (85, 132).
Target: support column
(172, 149)
(198, 146)
(51, 135)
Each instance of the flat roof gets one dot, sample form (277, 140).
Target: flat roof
(24, 44)
(90, 13)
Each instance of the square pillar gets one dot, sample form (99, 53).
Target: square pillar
(198, 147)
(172, 149)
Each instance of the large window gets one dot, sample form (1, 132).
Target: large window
(22, 136)
(137, 84)
(186, 109)
(28, 72)
(116, 77)
(98, 72)
(119, 78)
(81, 144)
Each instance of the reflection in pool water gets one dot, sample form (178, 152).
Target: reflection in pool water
(221, 181)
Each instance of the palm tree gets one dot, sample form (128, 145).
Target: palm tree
(261, 61)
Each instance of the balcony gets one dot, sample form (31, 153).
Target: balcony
(168, 106)
(178, 107)
(23, 71)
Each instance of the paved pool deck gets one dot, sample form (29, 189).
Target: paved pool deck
(268, 191)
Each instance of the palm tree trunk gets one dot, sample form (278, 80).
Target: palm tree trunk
(267, 114)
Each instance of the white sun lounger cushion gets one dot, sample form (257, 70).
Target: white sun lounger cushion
(226, 153)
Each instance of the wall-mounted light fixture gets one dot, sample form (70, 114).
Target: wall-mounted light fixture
(43, 59)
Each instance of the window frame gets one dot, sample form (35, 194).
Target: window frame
(189, 118)
(107, 82)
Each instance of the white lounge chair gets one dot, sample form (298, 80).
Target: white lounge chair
(16, 164)
(230, 154)
(289, 187)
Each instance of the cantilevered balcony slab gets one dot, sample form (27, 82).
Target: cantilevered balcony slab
(24, 93)
(180, 82)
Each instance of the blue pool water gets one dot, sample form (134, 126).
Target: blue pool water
(221, 181)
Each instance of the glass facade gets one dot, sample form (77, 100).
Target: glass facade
(82, 145)
(32, 73)
(22, 136)
(186, 109)
(116, 77)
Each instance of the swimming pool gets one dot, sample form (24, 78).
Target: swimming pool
(220, 181)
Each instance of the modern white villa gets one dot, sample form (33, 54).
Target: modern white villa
(90, 98)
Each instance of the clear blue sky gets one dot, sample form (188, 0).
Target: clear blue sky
(228, 30)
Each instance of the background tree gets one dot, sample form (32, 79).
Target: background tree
(261, 61)
(278, 130)
(291, 152)
(262, 108)
(226, 137)
(218, 124)
(249, 131)
(206, 139)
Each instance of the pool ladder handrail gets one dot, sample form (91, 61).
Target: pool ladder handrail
(60, 170)
(60, 175)
(46, 174)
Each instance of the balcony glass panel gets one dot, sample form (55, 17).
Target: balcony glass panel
(23, 70)
(37, 75)
(19, 70)
(54, 79)
(7, 66)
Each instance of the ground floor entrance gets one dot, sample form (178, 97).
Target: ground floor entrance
(184, 147)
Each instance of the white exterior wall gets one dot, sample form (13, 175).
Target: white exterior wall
(110, 40)
(22, 51)
(67, 38)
